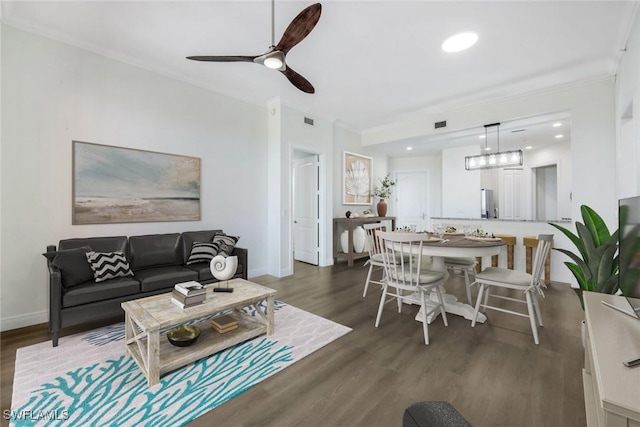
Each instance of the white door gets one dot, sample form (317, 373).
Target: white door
(411, 198)
(305, 215)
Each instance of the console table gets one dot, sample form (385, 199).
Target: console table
(350, 224)
(611, 390)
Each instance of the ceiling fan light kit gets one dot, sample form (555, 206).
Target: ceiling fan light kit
(275, 58)
(459, 42)
(500, 159)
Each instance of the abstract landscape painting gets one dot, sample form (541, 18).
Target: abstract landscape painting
(116, 185)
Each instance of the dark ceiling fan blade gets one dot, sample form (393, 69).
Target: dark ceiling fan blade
(298, 81)
(300, 27)
(236, 58)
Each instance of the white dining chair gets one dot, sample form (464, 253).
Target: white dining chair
(405, 277)
(375, 256)
(530, 284)
(467, 266)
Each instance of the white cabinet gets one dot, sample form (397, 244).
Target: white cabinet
(512, 195)
(611, 390)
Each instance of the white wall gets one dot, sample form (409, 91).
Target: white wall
(460, 187)
(317, 139)
(628, 120)
(288, 132)
(53, 94)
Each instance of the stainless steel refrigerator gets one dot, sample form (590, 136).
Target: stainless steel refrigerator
(486, 204)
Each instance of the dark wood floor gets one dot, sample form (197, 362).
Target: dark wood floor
(493, 374)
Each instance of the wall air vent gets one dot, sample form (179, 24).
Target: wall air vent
(438, 125)
(518, 130)
(308, 121)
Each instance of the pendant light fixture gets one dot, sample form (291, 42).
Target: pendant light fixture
(493, 160)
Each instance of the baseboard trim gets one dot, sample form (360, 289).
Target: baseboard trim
(23, 320)
(256, 272)
(327, 262)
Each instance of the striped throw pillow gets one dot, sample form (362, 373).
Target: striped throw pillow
(108, 265)
(202, 252)
(225, 243)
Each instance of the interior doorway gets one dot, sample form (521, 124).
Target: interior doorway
(306, 207)
(546, 192)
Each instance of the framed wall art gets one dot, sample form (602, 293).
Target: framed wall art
(119, 185)
(356, 179)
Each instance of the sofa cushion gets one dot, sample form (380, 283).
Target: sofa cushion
(204, 271)
(108, 265)
(202, 252)
(89, 292)
(225, 243)
(73, 265)
(189, 237)
(156, 278)
(98, 244)
(155, 250)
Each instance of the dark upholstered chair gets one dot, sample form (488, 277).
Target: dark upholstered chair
(433, 414)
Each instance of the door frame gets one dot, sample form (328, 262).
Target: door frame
(533, 195)
(296, 163)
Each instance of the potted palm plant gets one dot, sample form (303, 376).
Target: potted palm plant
(596, 265)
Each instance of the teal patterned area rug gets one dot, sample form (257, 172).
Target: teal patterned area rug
(89, 380)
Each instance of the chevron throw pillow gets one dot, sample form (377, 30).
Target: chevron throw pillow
(108, 265)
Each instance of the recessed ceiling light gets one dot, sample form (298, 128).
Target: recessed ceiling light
(559, 136)
(459, 42)
(528, 147)
(482, 136)
(409, 148)
(557, 125)
(487, 149)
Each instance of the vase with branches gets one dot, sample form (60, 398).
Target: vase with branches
(383, 191)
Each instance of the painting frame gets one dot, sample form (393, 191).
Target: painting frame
(357, 179)
(115, 185)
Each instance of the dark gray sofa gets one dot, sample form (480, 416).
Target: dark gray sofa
(158, 262)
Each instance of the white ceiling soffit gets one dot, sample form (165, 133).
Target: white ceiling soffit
(536, 132)
(372, 63)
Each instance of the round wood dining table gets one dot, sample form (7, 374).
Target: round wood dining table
(453, 246)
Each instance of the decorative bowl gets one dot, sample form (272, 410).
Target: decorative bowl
(183, 336)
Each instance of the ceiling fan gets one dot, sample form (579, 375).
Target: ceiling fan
(297, 30)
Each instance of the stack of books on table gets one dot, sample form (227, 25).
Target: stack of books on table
(224, 323)
(188, 294)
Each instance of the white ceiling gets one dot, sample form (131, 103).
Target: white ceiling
(372, 62)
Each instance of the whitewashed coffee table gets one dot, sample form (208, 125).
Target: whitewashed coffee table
(155, 355)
